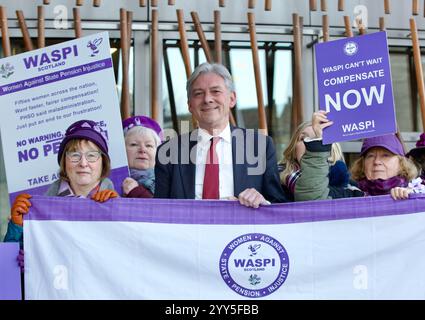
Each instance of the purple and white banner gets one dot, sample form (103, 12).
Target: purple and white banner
(41, 93)
(10, 273)
(354, 82)
(360, 248)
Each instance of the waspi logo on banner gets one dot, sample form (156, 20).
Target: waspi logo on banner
(254, 265)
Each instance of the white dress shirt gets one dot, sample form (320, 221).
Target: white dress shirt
(224, 154)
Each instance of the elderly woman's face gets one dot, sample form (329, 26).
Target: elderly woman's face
(88, 169)
(379, 163)
(141, 150)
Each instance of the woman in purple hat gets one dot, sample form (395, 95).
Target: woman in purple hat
(381, 169)
(84, 166)
(142, 137)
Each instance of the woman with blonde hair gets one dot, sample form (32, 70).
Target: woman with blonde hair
(290, 166)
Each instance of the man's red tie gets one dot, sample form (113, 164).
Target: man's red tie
(211, 177)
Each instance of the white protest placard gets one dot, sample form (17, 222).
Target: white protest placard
(42, 92)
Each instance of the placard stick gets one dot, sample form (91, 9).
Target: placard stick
(25, 34)
(217, 34)
(415, 7)
(184, 46)
(201, 35)
(268, 5)
(218, 49)
(77, 22)
(361, 27)
(298, 104)
(387, 6)
(125, 97)
(418, 67)
(251, 4)
(348, 30)
(262, 121)
(313, 5)
(129, 29)
(298, 68)
(323, 5)
(232, 119)
(155, 66)
(381, 23)
(7, 52)
(340, 5)
(41, 42)
(129, 34)
(325, 28)
(301, 27)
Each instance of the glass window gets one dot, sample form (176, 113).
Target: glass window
(116, 54)
(404, 99)
(246, 92)
(282, 100)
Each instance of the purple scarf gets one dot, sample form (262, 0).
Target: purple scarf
(380, 187)
(423, 177)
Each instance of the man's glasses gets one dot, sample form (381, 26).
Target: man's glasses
(91, 156)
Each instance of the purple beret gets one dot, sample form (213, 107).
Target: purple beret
(88, 130)
(142, 121)
(389, 142)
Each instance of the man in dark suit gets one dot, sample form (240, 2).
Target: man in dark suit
(217, 161)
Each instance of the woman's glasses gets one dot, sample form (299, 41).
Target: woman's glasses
(91, 156)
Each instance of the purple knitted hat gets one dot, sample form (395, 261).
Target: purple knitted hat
(142, 121)
(88, 130)
(420, 147)
(389, 142)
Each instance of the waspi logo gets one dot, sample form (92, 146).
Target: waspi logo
(254, 265)
(351, 48)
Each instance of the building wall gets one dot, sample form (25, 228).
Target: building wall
(274, 24)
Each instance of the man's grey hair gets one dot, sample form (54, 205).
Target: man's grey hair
(216, 68)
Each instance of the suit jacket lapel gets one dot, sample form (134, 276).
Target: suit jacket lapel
(238, 169)
(187, 172)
